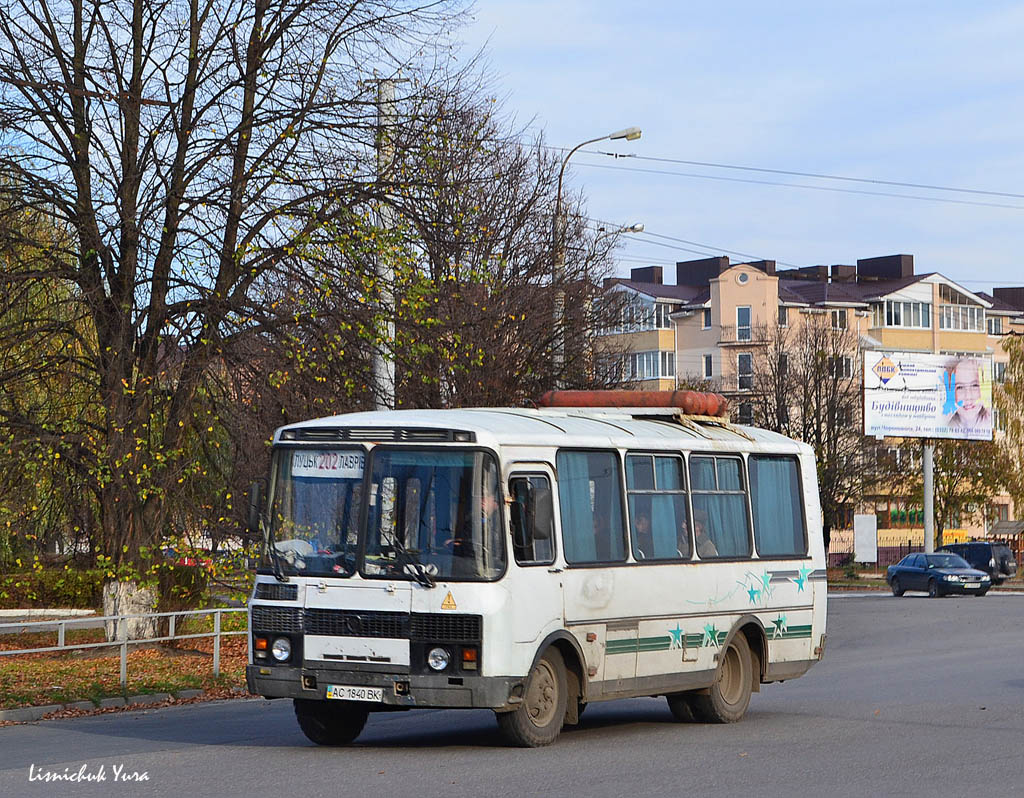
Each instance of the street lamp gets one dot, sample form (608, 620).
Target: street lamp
(558, 248)
(629, 228)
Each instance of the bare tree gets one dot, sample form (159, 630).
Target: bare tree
(807, 386)
(201, 155)
(474, 292)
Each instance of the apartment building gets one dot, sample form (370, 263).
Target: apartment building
(644, 337)
(719, 314)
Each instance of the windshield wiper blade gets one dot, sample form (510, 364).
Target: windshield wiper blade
(275, 558)
(416, 568)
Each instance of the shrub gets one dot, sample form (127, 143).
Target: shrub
(63, 587)
(182, 587)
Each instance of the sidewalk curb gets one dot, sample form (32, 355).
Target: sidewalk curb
(31, 714)
(44, 613)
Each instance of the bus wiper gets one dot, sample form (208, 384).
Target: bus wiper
(412, 563)
(275, 558)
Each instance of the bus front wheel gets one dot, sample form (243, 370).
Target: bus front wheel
(538, 719)
(326, 723)
(681, 706)
(727, 699)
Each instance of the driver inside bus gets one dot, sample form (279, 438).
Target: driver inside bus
(461, 543)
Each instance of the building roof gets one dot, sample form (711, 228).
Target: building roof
(680, 293)
(816, 292)
(700, 298)
(819, 291)
(999, 305)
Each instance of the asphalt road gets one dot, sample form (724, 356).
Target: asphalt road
(915, 697)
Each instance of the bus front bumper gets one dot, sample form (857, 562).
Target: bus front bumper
(400, 690)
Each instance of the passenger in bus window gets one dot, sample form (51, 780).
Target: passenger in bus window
(683, 539)
(642, 533)
(705, 545)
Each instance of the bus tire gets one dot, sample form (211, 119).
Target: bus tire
(330, 724)
(727, 699)
(539, 718)
(681, 707)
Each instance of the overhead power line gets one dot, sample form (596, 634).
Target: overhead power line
(832, 189)
(820, 176)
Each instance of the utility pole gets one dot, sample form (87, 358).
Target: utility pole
(927, 463)
(383, 360)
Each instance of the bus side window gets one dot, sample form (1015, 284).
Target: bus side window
(590, 503)
(656, 501)
(777, 501)
(532, 519)
(720, 520)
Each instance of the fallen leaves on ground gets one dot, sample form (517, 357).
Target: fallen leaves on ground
(40, 679)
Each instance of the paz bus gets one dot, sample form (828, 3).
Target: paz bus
(533, 561)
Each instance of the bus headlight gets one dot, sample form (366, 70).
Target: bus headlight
(282, 649)
(438, 659)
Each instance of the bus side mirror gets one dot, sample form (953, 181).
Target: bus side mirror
(252, 523)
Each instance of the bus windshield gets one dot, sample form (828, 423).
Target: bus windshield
(440, 509)
(314, 514)
(431, 513)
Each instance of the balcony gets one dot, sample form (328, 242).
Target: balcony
(736, 384)
(731, 335)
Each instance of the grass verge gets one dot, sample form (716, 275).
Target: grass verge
(38, 679)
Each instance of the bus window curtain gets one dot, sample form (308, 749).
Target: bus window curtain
(667, 517)
(575, 510)
(775, 497)
(727, 522)
(610, 538)
(669, 473)
(702, 473)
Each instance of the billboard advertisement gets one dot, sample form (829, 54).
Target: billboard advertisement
(914, 395)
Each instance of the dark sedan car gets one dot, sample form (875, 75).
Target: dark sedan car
(938, 574)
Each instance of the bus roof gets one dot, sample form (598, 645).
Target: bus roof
(553, 427)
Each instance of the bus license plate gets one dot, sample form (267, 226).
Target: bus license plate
(346, 692)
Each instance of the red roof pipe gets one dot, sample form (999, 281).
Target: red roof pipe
(690, 402)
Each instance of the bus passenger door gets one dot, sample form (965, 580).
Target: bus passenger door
(535, 589)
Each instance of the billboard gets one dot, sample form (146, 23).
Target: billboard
(914, 395)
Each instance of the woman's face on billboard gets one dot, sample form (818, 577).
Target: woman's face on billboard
(968, 389)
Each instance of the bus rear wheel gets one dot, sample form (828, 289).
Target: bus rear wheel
(326, 723)
(726, 701)
(539, 717)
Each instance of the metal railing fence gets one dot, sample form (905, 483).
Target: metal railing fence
(123, 641)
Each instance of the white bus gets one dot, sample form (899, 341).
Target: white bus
(532, 561)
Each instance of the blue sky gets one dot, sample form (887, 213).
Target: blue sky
(918, 92)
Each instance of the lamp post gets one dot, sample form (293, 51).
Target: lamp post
(558, 250)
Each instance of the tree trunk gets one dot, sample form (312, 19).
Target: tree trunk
(129, 598)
